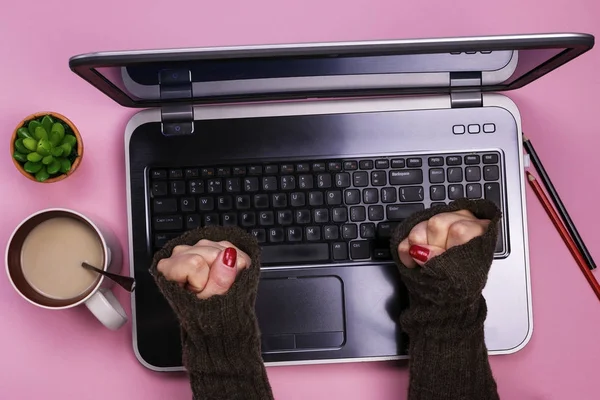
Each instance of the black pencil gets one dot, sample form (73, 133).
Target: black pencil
(562, 211)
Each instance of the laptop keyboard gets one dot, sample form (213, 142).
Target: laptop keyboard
(317, 211)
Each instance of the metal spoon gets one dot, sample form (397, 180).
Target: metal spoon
(125, 282)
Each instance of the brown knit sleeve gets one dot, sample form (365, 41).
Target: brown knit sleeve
(220, 335)
(445, 318)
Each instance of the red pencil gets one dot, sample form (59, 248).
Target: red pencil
(552, 214)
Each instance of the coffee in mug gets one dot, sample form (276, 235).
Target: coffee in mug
(44, 258)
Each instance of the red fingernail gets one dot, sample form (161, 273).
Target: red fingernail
(418, 252)
(229, 257)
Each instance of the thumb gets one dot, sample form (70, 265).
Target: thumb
(222, 274)
(423, 253)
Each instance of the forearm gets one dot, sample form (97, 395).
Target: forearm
(446, 315)
(220, 370)
(448, 356)
(220, 336)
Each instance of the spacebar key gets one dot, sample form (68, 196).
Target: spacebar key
(295, 253)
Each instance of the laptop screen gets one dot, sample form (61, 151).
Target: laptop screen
(280, 72)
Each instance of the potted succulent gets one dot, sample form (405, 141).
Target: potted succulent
(46, 147)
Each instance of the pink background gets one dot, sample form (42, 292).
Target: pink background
(68, 355)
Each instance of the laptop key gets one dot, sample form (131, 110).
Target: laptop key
(295, 253)
(491, 173)
(352, 196)
(261, 201)
(382, 254)
(367, 230)
(340, 251)
(455, 192)
(210, 219)
(188, 204)
(207, 172)
(406, 177)
(159, 174)
(251, 184)
(398, 163)
(313, 233)
(305, 182)
(279, 200)
(255, 170)
(490, 158)
(298, 199)
(401, 212)
(360, 250)
(165, 206)
(223, 171)
(276, 235)
(388, 195)
(370, 196)
(318, 167)
(215, 186)
(411, 193)
(288, 182)
(266, 218)
(473, 191)
(175, 174)
(366, 164)
(269, 183)
(331, 232)
(294, 234)
(492, 193)
(242, 202)
(349, 231)
(321, 215)
(454, 160)
(233, 185)
(192, 221)
(382, 164)
(437, 192)
(378, 178)
(454, 175)
(340, 214)
(472, 159)
(342, 180)
(178, 187)
(361, 179)
(284, 217)
(239, 171)
(303, 216)
(315, 198)
(206, 204)
(414, 162)
(168, 223)
(385, 229)
(160, 239)
(376, 213)
(473, 174)
(248, 219)
(358, 214)
(259, 234)
(196, 186)
(350, 165)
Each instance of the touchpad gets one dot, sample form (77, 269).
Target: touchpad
(301, 313)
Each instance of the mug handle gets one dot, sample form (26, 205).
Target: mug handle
(105, 306)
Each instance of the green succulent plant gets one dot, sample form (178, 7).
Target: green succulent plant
(45, 147)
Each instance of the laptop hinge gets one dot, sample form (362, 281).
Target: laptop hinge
(176, 84)
(463, 90)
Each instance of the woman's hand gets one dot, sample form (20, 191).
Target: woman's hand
(442, 231)
(208, 268)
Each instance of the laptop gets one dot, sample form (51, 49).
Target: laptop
(320, 150)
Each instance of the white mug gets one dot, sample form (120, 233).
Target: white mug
(99, 298)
